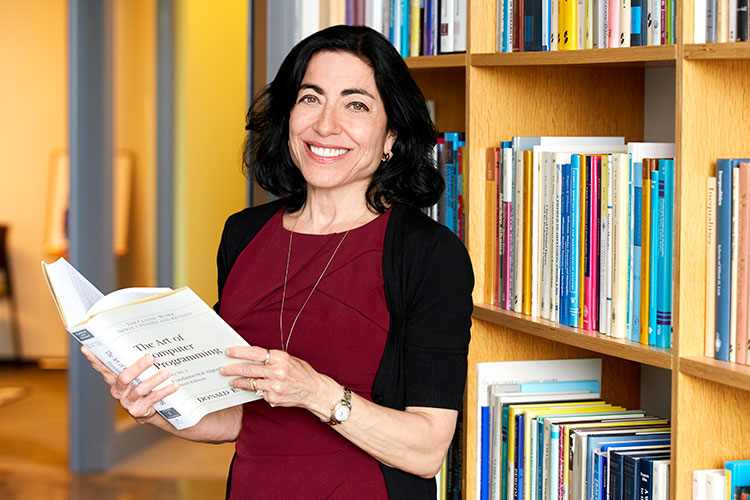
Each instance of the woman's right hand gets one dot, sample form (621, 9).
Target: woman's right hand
(138, 400)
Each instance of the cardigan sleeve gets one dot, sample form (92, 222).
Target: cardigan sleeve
(438, 320)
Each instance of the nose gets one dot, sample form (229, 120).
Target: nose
(327, 122)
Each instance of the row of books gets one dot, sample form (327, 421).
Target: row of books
(721, 21)
(546, 434)
(544, 25)
(580, 231)
(414, 27)
(730, 483)
(727, 259)
(449, 158)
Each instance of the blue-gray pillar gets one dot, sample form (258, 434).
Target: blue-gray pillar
(91, 409)
(165, 143)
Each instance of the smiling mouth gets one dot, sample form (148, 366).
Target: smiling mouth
(327, 152)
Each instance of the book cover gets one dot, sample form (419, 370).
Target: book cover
(636, 34)
(664, 254)
(122, 326)
(491, 224)
(736, 476)
(604, 234)
(635, 250)
(446, 26)
(625, 23)
(591, 257)
(700, 485)
(574, 269)
(620, 251)
(568, 25)
(508, 227)
(613, 21)
(734, 275)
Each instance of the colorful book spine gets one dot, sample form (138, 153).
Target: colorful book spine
(735, 264)
(664, 256)
(613, 23)
(653, 279)
(414, 17)
(743, 271)
(518, 239)
(565, 246)
(528, 233)
(568, 17)
(645, 240)
(575, 241)
(581, 235)
(405, 28)
(492, 226)
(723, 257)
(508, 229)
(636, 33)
(620, 253)
(591, 260)
(637, 215)
(709, 350)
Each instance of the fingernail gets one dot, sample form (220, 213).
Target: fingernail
(228, 351)
(221, 370)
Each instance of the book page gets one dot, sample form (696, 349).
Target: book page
(73, 294)
(125, 296)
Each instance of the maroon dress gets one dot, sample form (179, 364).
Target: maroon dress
(288, 452)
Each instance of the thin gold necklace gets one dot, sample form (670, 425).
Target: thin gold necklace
(285, 345)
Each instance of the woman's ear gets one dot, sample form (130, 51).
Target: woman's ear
(390, 139)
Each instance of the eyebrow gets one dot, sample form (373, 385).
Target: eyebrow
(344, 92)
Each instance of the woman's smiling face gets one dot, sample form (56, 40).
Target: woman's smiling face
(337, 127)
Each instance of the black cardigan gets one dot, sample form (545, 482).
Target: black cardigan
(428, 284)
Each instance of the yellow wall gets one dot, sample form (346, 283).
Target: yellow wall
(135, 132)
(210, 106)
(33, 125)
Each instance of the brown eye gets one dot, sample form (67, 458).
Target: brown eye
(358, 106)
(308, 99)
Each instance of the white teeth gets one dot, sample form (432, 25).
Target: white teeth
(327, 152)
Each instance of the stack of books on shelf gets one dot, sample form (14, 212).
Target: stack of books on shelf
(727, 259)
(544, 433)
(580, 231)
(543, 25)
(730, 483)
(449, 158)
(721, 21)
(414, 27)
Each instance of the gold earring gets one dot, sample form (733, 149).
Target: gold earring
(385, 157)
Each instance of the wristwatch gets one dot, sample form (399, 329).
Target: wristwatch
(340, 411)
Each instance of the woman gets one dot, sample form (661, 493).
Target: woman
(356, 304)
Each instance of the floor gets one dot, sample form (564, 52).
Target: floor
(33, 452)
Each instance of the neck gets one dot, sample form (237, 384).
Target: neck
(329, 214)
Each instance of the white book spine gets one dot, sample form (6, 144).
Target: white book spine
(699, 33)
(547, 234)
(619, 250)
(459, 25)
(536, 234)
(603, 243)
(554, 24)
(655, 7)
(518, 241)
(732, 20)
(624, 23)
(555, 311)
(715, 485)
(581, 24)
(446, 25)
(500, 23)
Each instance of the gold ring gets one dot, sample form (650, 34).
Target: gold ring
(252, 384)
(268, 358)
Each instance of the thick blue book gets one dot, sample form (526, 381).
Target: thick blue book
(723, 257)
(631, 474)
(636, 30)
(737, 474)
(664, 255)
(405, 28)
(653, 249)
(646, 477)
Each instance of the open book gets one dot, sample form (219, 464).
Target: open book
(181, 331)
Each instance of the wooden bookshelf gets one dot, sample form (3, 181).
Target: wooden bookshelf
(620, 56)
(440, 61)
(720, 372)
(603, 92)
(590, 341)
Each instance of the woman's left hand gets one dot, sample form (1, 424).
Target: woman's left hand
(282, 379)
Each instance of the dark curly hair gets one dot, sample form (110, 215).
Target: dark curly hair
(410, 177)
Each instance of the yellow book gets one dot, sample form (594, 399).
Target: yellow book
(655, 425)
(491, 227)
(582, 238)
(513, 410)
(645, 248)
(568, 25)
(528, 176)
(530, 463)
(444, 479)
(414, 31)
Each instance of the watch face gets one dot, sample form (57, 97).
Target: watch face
(341, 413)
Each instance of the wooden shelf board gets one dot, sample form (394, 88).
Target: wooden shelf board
(721, 372)
(441, 61)
(733, 50)
(591, 341)
(573, 57)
